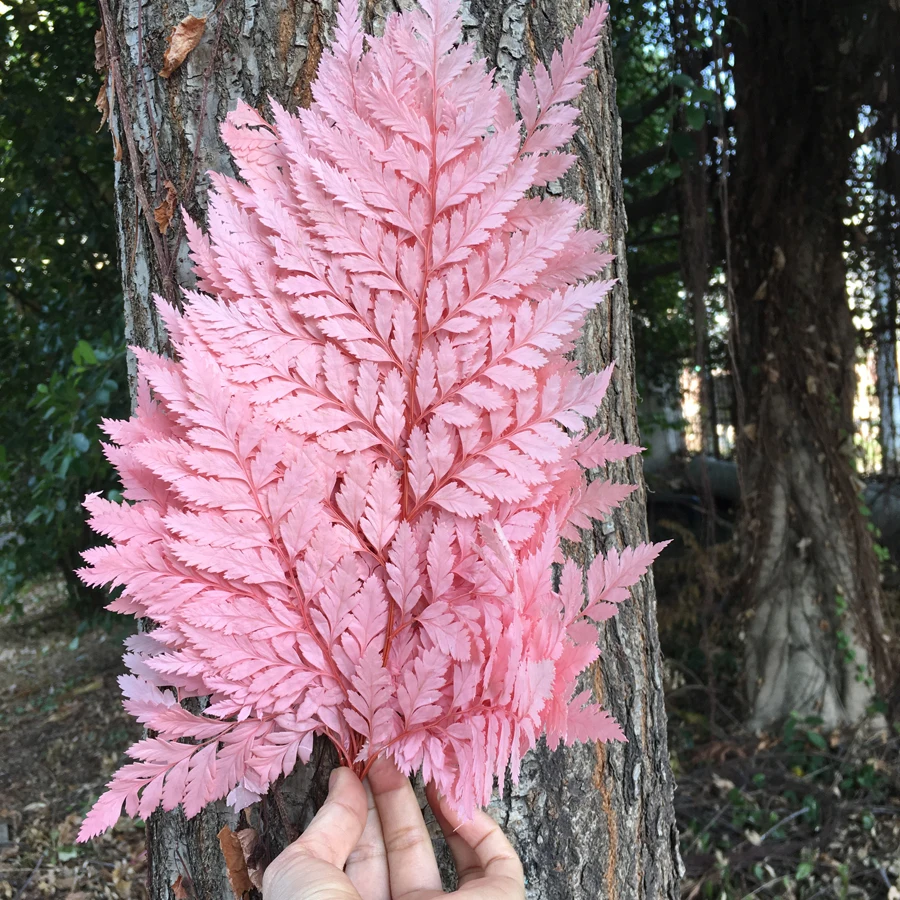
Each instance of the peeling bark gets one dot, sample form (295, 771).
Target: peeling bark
(588, 821)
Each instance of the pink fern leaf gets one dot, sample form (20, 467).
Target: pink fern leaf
(610, 577)
(345, 493)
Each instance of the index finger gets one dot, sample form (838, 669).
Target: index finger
(312, 867)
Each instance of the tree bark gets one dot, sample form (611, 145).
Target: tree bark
(817, 636)
(693, 219)
(887, 377)
(593, 821)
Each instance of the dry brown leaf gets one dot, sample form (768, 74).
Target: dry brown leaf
(184, 37)
(101, 63)
(235, 862)
(166, 209)
(248, 838)
(68, 829)
(89, 688)
(179, 889)
(102, 102)
(117, 155)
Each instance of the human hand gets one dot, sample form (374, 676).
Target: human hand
(371, 843)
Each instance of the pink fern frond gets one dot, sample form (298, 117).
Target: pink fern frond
(345, 495)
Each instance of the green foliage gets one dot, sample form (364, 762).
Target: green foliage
(61, 342)
(642, 59)
(662, 110)
(772, 824)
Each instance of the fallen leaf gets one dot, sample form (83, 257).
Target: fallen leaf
(88, 688)
(722, 784)
(68, 829)
(184, 37)
(235, 862)
(179, 889)
(166, 209)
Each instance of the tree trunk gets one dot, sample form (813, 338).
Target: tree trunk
(693, 219)
(816, 639)
(887, 378)
(589, 821)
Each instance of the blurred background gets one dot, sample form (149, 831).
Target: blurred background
(796, 808)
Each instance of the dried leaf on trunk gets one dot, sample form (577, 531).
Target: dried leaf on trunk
(235, 862)
(249, 839)
(101, 63)
(102, 102)
(179, 889)
(184, 37)
(166, 209)
(117, 155)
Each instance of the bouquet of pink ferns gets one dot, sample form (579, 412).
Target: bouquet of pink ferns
(345, 495)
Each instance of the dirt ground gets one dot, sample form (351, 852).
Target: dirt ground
(62, 734)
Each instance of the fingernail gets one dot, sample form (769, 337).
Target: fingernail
(332, 778)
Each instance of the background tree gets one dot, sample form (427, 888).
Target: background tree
(801, 74)
(588, 822)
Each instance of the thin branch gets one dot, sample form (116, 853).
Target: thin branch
(30, 878)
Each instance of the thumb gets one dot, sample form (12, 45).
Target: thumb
(313, 865)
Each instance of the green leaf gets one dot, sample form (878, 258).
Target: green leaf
(80, 442)
(704, 95)
(817, 740)
(64, 854)
(695, 117)
(83, 354)
(672, 171)
(679, 79)
(804, 870)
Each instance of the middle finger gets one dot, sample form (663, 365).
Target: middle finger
(410, 854)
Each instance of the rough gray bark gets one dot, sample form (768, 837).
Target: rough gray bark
(589, 821)
(817, 635)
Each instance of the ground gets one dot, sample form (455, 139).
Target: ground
(62, 734)
(797, 815)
